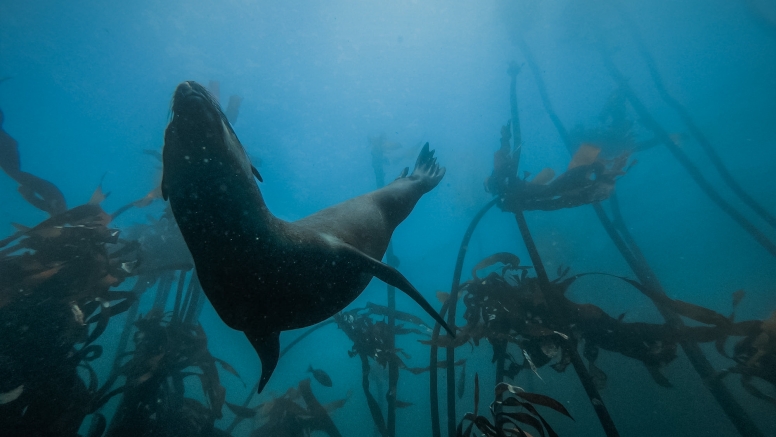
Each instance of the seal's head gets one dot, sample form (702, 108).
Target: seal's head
(197, 120)
(199, 143)
(192, 99)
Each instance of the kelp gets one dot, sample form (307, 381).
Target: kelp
(508, 307)
(512, 409)
(755, 357)
(590, 181)
(692, 126)
(372, 339)
(370, 335)
(628, 248)
(155, 399)
(297, 413)
(162, 245)
(56, 300)
(589, 178)
(39, 192)
(616, 134)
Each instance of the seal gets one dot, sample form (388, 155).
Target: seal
(262, 274)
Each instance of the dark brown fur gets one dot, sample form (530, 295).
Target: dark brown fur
(264, 275)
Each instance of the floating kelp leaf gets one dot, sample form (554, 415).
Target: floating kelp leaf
(442, 296)
(385, 311)
(484, 425)
(152, 195)
(460, 432)
(754, 391)
(128, 267)
(404, 354)
(240, 411)
(228, 367)
(401, 330)
(535, 398)
(98, 426)
(39, 278)
(698, 313)
(92, 215)
(337, 404)
(506, 423)
(403, 404)
(505, 258)
(108, 281)
(12, 395)
(98, 196)
(531, 364)
(20, 227)
(586, 154)
(122, 306)
(503, 387)
(531, 409)
(528, 420)
(544, 176)
(39, 192)
(686, 309)
(320, 420)
(149, 198)
(112, 295)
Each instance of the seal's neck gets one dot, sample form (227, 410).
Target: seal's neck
(262, 214)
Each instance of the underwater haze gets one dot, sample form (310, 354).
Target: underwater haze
(635, 141)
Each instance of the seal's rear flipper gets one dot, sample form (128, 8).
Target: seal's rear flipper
(391, 276)
(268, 348)
(426, 170)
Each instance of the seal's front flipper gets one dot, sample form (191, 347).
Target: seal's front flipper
(391, 276)
(268, 348)
(256, 173)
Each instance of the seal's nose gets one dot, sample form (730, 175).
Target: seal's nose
(184, 90)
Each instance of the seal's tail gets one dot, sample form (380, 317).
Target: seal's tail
(427, 171)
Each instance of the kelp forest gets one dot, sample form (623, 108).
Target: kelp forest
(81, 356)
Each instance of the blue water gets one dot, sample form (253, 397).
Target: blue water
(90, 88)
